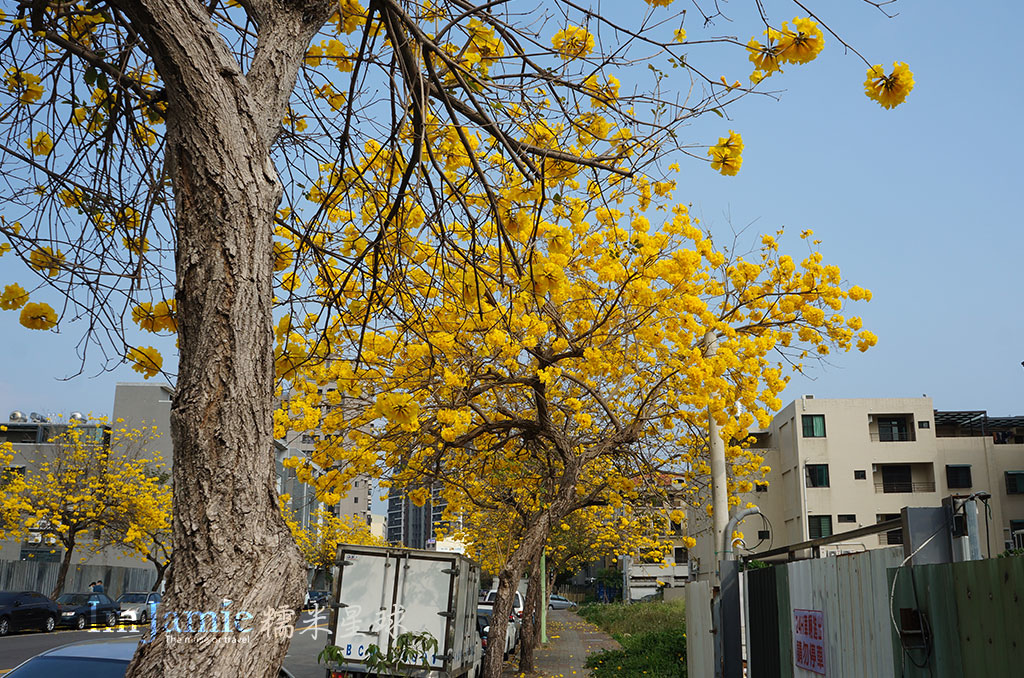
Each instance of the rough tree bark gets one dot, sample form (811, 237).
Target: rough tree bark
(531, 619)
(229, 540)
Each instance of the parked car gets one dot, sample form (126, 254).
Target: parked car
(26, 610)
(107, 658)
(484, 613)
(79, 610)
(317, 598)
(517, 603)
(137, 607)
(559, 603)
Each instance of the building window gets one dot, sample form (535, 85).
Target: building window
(847, 517)
(893, 429)
(1016, 534)
(814, 425)
(1015, 482)
(681, 555)
(675, 527)
(924, 424)
(892, 537)
(817, 475)
(958, 475)
(860, 475)
(355, 500)
(760, 487)
(819, 526)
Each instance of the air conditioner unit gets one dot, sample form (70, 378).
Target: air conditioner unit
(34, 538)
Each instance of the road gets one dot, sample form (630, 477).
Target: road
(310, 637)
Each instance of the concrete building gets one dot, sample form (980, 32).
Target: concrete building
(642, 578)
(138, 405)
(840, 464)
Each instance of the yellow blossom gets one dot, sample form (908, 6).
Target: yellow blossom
(889, 90)
(39, 316)
(145, 360)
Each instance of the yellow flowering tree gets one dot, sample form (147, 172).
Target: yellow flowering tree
(144, 527)
(191, 169)
(77, 486)
(545, 381)
(318, 542)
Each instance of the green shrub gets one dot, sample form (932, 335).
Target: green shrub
(652, 635)
(652, 654)
(635, 618)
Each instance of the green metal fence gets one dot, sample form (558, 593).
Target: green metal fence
(959, 619)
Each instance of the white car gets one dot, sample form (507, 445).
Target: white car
(517, 603)
(136, 608)
(483, 625)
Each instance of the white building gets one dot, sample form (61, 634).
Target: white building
(840, 464)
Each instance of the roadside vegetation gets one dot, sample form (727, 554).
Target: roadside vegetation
(652, 635)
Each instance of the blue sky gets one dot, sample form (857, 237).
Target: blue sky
(918, 204)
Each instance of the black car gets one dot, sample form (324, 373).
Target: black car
(26, 610)
(89, 659)
(82, 609)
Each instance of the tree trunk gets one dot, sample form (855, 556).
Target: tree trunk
(508, 579)
(233, 553)
(65, 565)
(531, 620)
(161, 572)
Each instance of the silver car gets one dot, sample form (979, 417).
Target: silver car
(560, 603)
(137, 608)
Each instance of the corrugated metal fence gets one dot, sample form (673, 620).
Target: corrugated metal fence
(700, 649)
(957, 619)
(972, 619)
(29, 575)
(850, 591)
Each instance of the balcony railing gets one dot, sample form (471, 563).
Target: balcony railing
(892, 436)
(902, 487)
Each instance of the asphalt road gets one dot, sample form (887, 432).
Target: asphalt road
(310, 637)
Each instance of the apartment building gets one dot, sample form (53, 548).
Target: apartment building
(840, 464)
(414, 526)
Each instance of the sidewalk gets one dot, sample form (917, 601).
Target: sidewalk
(570, 640)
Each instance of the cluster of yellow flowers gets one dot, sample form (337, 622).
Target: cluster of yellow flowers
(889, 90)
(727, 154)
(146, 360)
(803, 42)
(573, 42)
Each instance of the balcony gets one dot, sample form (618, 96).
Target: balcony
(891, 428)
(903, 487)
(892, 436)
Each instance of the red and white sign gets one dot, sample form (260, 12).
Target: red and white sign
(809, 640)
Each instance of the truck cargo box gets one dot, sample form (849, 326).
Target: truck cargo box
(383, 592)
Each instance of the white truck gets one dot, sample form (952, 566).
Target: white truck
(384, 593)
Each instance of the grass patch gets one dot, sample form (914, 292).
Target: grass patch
(652, 635)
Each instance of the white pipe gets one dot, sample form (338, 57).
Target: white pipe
(727, 552)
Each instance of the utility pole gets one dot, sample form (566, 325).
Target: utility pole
(719, 475)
